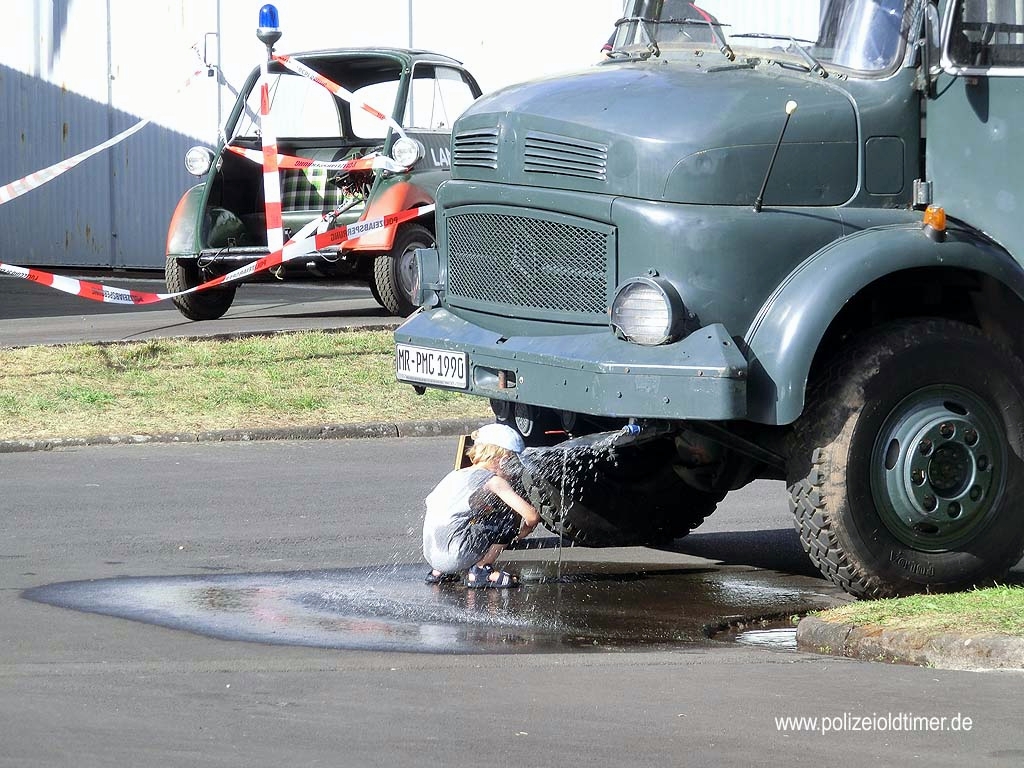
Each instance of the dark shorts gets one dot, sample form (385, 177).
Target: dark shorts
(497, 527)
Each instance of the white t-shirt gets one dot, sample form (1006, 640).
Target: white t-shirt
(447, 545)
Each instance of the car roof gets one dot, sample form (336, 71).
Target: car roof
(409, 54)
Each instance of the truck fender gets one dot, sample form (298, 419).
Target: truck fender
(181, 233)
(785, 334)
(400, 196)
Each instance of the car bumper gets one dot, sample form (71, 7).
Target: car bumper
(703, 376)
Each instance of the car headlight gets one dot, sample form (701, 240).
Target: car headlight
(198, 161)
(648, 311)
(406, 151)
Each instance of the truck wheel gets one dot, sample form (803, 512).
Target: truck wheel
(906, 473)
(394, 272)
(182, 274)
(616, 498)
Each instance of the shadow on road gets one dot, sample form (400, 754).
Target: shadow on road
(776, 550)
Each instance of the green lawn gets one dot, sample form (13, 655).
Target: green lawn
(293, 379)
(996, 610)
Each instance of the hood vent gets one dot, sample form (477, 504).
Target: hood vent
(476, 148)
(564, 156)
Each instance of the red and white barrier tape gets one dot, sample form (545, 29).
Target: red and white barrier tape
(289, 162)
(294, 249)
(271, 176)
(342, 93)
(35, 180)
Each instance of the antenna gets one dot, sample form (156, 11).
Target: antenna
(790, 109)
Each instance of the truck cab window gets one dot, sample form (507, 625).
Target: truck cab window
(987, 33)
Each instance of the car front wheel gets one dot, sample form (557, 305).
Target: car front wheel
(395, 272)
(182, 274)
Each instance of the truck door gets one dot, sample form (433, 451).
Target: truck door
(974, 123)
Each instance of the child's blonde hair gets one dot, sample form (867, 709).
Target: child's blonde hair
(481, 453)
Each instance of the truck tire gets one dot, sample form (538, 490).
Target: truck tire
(906, 472)
(394, 272)
(182, 274)
(624, 497)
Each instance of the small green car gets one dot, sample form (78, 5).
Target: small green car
(773, 240)
(220, 225)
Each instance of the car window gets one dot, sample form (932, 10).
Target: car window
(381, 96)
(438, 96)
(299, 108)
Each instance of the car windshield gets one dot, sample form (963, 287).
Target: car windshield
(302, 109)
(865, 36)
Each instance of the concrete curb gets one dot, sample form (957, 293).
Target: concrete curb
(435, 428)
(898, 646)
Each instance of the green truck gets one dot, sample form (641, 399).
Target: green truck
(771, 252)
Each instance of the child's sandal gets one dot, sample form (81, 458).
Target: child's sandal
(479, 577)
(437, 577)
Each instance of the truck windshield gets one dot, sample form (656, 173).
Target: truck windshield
(865, 36)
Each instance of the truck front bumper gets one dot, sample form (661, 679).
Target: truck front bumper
(703, 376)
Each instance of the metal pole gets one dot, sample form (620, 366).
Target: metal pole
(111, 157)
(37, 31)
(410, 23)
(220, 77)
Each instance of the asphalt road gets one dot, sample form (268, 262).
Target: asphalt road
(89, 690)
(35, 314)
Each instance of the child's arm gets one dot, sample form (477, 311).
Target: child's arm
(501, 487)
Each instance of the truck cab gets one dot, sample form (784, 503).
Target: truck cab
(779, 242)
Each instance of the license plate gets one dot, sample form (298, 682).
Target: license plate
(431, 366)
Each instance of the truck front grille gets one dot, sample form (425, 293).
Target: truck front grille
(530, 266)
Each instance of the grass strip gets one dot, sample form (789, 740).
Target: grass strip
(181, 385)
(996, 610)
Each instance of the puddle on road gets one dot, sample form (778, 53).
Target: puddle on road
(779, 638)
(589, 606)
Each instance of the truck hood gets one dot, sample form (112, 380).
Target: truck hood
(666, 131)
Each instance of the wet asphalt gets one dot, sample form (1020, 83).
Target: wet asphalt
(321, 538)
(562, 606)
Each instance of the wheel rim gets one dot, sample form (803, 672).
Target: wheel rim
(525, 418)
(938, 468)
(408, 271)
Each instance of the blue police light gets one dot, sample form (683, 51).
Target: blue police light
(269, 17)
(269, 30)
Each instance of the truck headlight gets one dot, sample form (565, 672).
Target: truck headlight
(406, 151)
(198, 161)
(648, 311)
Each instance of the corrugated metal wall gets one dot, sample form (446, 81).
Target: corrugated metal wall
(112, 210)
(72, 74)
